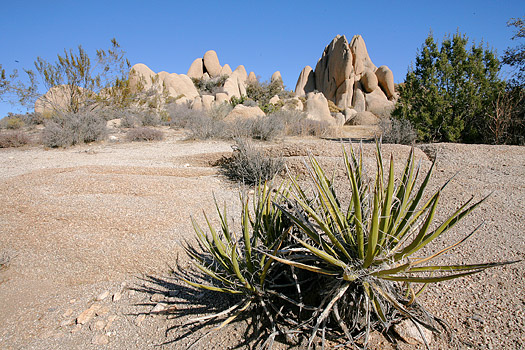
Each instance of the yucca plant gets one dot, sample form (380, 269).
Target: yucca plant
(363, 251)
(236, 264)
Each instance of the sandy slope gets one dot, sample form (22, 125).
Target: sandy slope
(97, 218)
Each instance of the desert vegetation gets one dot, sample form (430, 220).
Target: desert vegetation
(455, 93)
(315, 264)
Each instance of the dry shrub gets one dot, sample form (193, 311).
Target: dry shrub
(144, 134)
(73, 128)
(249, 165)
(398, 131)
(15, 138)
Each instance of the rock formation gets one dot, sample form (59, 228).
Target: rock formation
(241, 112)
(175, 85)
(346, 75)
(211, 64)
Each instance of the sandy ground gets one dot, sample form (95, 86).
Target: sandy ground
(110, 217)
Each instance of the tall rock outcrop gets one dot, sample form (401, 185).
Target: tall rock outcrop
(346, 75)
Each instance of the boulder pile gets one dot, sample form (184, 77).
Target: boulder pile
(345, 87)
(346, 75)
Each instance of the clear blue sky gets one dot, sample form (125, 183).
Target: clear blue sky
(264, 36)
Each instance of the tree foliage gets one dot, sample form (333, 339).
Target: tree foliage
(449, 94)
(74, 81)
(515, 56)
(84, 82)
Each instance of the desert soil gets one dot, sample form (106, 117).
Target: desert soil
(91, 232)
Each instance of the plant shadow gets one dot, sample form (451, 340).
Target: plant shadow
(184, 304)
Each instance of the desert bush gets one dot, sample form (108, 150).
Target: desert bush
(249, 165)
(16, 138)
(308, 264)
(333, 108)
(144, 134)
(262, 92)
(180, 115)
(150, 118)
(73, 128)
(14, 123)
(211, 85)
(398, 131)
(219, 112)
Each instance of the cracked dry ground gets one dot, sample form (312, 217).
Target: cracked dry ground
(92, 230)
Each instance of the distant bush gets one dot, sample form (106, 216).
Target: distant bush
(333, 108)
(249, 165)
(211, 85)
(14, 123)
(263, 92)
(73, 128)
(204, 125)
(180, 116)
(144, 134)
(398, 131)
(15, 138)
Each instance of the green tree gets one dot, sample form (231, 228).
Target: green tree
(449, 94)
(509, 115)
(515, 56)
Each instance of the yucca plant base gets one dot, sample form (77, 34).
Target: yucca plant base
(313, 269)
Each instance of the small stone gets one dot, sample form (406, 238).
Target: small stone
(68, 313)
(72, 301)
(159, 308)
(102, 296)
(117, 296)
(478, 318)
(66, 323)
(408, 331)
(111, 319)
(77, 328)
(140, 319)
(131, 292)
(157, 297)
(102, 311)
(100, 339)
(88, 314)
(99, 325)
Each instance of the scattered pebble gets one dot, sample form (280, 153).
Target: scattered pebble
(159, 308)
(102, 296)
(100, 339)
(157, 297)
(77, 328)
(88, 314)
(111, 319)
(102, 311)
(99, 325)
(68, 313)
(66, 323)
(117, 296)
(140, 319)
(410, 333)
